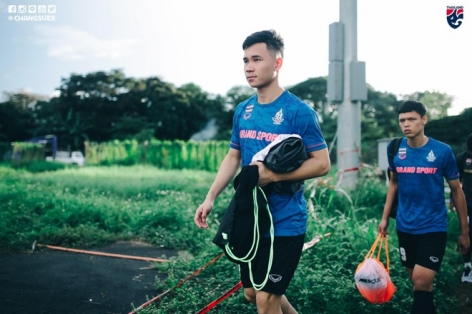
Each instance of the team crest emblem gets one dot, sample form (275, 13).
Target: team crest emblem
(455, 15)
(278, 118)
(468, 161)
(431, 157)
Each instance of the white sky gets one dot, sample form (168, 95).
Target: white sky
(407, 45)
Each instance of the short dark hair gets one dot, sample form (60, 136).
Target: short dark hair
(270, 37)
(412, 105)
(469, 143)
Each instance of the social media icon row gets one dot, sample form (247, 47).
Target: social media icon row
(40, 8)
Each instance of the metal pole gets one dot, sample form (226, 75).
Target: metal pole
(349, 114)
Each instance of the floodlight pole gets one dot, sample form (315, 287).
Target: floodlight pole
(349, 113)
(347, 88)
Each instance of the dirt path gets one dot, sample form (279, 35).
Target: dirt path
(50, 281)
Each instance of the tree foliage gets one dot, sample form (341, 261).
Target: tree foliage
(452, 130)
(104, 106)
(379, 116)
(17, 116)
(437, 103)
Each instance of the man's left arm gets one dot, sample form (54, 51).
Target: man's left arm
(317, 165)
(458, 197)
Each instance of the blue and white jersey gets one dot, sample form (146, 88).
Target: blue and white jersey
(255, 126)
(420, 175)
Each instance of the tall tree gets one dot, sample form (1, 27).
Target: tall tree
(166, 109)
(87, 107)
(18, 116)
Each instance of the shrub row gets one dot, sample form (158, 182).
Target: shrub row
(163, 154)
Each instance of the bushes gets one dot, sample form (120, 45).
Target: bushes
(40, 166)
(162, 154)
(24, 153)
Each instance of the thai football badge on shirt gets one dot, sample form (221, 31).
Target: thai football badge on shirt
(431, 157)
(278, 118)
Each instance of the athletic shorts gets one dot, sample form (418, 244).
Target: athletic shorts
(426, 249)
(287, 253)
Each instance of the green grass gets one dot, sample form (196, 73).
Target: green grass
(90, 206)
(85, 207)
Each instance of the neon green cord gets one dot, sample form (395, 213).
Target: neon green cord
(255, 244)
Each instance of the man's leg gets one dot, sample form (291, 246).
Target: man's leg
(467, 274)
(250, 295)
(285, 306)
(422, 279)
(426, 251)
(287, 253)
(268, 303)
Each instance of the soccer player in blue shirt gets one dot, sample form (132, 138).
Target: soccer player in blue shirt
(421, 164)
(256, 123)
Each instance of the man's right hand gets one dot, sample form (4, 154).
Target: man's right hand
(383, 227)
(202, 213)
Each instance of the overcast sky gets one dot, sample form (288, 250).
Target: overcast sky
(408, 46)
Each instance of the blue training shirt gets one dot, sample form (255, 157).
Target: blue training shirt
(255, 126)
(420, 176)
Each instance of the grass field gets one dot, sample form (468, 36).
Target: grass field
(90, 206)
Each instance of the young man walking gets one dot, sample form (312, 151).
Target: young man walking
(464, 164)
(256, 123)
(417, 175)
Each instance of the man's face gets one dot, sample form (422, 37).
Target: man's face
(260, 65)
(411, 123)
